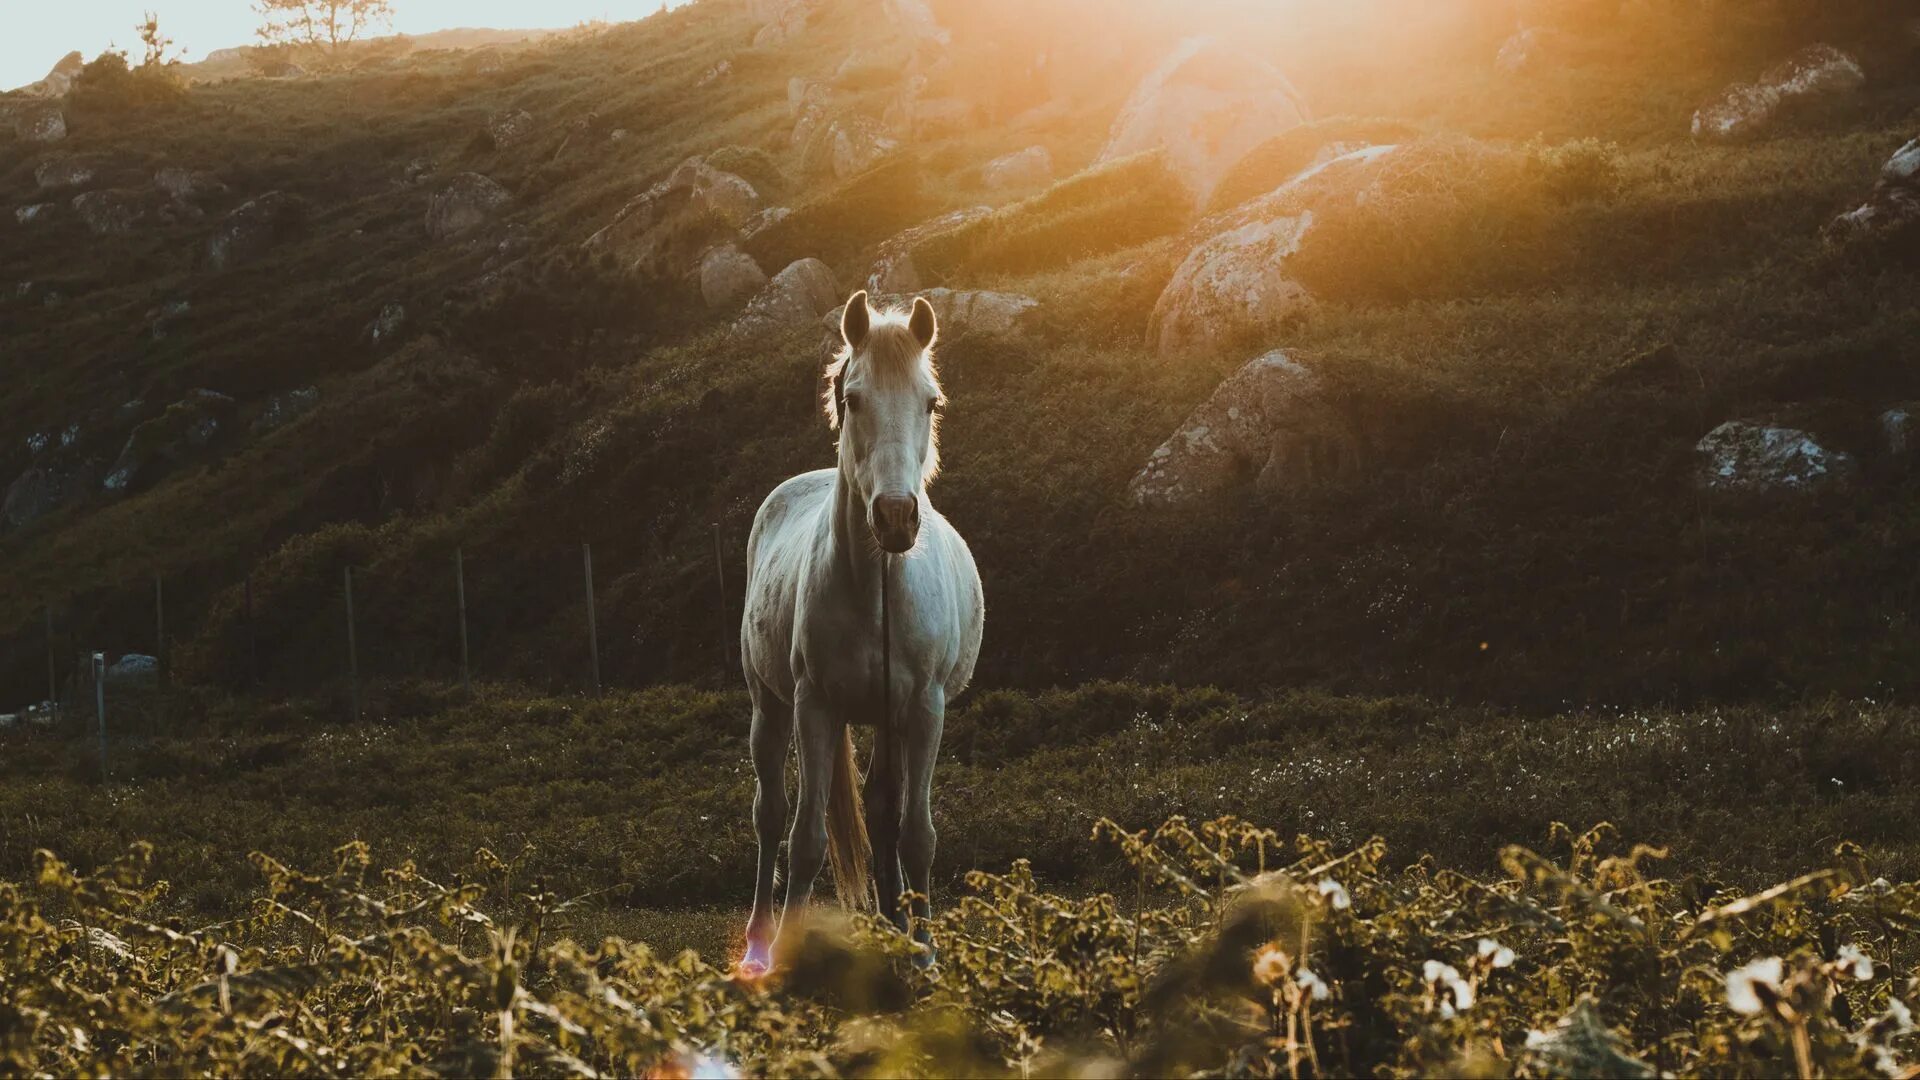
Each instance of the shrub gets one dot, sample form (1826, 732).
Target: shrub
(1576, 171)
(1284, 156)
(108, 86)
(756, 167)
(848, 217)
(1117, 206)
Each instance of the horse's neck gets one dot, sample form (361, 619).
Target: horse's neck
(855, 556)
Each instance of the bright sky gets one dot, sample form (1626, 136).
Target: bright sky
(35, 34)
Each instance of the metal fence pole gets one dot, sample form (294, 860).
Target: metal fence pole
(720, 576)
(253, 663)
(353, 649)
(160, 658)
(100, 707)
(593, 625)
(460, 589)
(53, 669)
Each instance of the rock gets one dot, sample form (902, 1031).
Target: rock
(58, 81)
(134, 668)
(487, 60)
(62, 172)
(914, 19)
(796, 296)
(1746, 109)
(1758, 458)
(1206, 105)
(893, 269)
(116, 210)
(1235, 281)
(38, 491)
(283, 409)
(386, 326)
(729, 277)
(509, 126)
(1894, 203)
(764, 220)
(181, 183)
(1898, 435)
(1000, 314)
(714, 74)
(33, 212)
(910, 114)
(857, 143)
(1029, 168)
(664, 231)
(803, 92)
(39, 124)
(188, 424)
(1270, 423)
(253, 228)
(417, 169)
(468, 201)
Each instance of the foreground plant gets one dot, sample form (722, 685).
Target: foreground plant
(1231, 958)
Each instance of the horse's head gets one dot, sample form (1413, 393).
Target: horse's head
(883, 396)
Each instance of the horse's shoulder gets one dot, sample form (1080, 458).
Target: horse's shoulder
(795, 493)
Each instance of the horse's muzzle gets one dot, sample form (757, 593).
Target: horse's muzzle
(896, 522)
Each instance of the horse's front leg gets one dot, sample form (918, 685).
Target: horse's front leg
(819, 732)
(772, 732)
(923, 723)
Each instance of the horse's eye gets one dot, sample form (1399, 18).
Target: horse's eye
(852, 401)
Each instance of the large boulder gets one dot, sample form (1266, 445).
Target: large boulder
(39, 124)
(183, 183)
(38, 491)
(728, 277)
(796, 296)
(115, 210)
(1746, 109)
(60, 79)
(134, 668)
(857, 143)
(1029, 168)
(1206, 105)
(1235, 281)
(469, 201)
(1894, 203)
(893, 269)
(63, 172)
(1754, 457)
(254, 228)
(509, 126)
(189, 424)
(1271, 427)
(664, 231)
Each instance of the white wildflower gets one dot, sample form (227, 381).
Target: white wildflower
(1853, 963)
(1455, 994)
(1494, 954)
(1335, 894)
(1537, 1039)
(1312, 984)
(1744, 985)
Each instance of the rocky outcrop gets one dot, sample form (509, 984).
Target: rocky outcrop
(856, 144)
(509, 126)
(1271, 427)
(1235, 281)
(1206, 105)
(1029, 168)
(134, 668)
(796, 296)
(1894, 203)
(185, 184)
(59, 81)
(63, 172)
(188, 424)
(39, 124)
(1747, 109)
(1754, 457)
(116, 210)
(764, 220)
(893, 268)
(664, 231)
(253, 229)
(469, 201)
(729, 277)
(283, 409)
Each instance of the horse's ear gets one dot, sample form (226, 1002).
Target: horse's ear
(921, 323)
(856, 320)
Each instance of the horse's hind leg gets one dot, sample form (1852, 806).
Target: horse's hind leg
(819, 734)
(772, 732)
(886, 783)
(924, 725)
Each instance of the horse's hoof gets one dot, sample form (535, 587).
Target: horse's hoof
(757, 962)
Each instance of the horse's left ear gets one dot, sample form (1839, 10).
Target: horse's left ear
(922, 323)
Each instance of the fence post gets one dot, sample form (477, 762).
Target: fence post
(253, 662)
(353, 648)
(100, 707)
(460, 589)
(160, 658)
(53, 669)
(720, 576)
(593, 624)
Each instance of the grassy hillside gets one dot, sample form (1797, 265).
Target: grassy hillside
(1525, 531)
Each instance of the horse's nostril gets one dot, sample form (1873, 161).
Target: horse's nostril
(896, 513)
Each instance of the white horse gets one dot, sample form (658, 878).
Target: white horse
(863, 607)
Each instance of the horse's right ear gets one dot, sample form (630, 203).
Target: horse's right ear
(855, 322)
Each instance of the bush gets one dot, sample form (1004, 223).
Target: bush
(109, 87)
(756, 167)
(1576, 171)
(1121, 205)
(844, 219)
(1284, 156)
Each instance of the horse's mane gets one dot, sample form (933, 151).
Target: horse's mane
(892, 352)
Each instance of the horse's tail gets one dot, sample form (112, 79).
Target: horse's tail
(849, 851)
